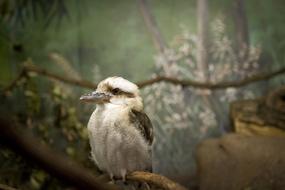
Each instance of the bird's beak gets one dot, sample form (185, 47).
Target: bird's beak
(95, 97)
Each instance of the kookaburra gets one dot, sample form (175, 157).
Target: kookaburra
(120, 133)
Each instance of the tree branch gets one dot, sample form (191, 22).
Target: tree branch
(43, 72)
(6, 187)
(68, 80)
(155, 179)
(66, 170)
(142, 84)
(214, 86)
(55, 164)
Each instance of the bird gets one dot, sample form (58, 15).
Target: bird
(120, 133)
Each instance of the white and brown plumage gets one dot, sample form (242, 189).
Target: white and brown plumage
(120, 133)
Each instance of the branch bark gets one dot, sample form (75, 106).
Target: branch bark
(157, 180)
(142, 84)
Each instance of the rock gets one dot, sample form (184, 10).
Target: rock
(263, 116)
(249, 118)
(238, 162)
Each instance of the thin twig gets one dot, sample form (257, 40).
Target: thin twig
(34, 69)
(64, 79)
(185, 83)
(14, 82)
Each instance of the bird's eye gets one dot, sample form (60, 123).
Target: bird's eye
(115, 91)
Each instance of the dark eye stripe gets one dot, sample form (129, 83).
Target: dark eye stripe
(127, 94)
(123, 93)
(116, 91)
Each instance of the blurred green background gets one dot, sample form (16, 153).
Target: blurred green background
(92, 40)
(112, 34)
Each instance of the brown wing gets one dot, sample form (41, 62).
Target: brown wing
(143, 124)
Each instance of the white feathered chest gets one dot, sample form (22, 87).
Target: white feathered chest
(117, 145)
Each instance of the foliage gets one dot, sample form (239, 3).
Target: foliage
(51, 115)
(19, 11)
(113, 42)
(186, 115)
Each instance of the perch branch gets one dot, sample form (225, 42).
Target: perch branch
(142, 84)
(6, 187)
(155, 179)
(66, 170)
(150, 178)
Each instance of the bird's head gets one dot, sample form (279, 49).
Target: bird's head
(116, 91)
